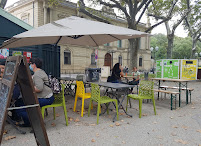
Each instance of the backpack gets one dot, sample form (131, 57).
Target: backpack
(54, 84)
(109, 79)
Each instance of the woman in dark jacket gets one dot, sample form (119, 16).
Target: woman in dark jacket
(116, 74)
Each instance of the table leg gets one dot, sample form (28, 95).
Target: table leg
(186, 94)
(159, 82)
(107, 94)
(179, 94)
(171, 101)
(120, 105)
(130, 103)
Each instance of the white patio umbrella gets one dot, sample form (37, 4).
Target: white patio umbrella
(75, 31)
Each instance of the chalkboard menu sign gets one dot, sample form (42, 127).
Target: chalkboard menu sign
(6, 89)
(3, 102)
(17, 71)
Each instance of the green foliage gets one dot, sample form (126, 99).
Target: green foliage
(181, 49)
(162, 8)
(194, 16)
(159, 40)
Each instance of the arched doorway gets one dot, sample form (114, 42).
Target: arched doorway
(107, 60)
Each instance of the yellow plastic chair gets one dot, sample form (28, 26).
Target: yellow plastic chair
(59, 100)
(80, 92)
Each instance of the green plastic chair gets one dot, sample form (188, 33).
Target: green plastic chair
(95, 96)
(59, 100)
(145, 92)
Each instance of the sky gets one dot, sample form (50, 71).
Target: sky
(159, 29)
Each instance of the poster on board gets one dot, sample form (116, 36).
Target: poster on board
(17, 53)
(28, 55)
(171, 68)
(4, 53)
(159, 68)
(189, 69)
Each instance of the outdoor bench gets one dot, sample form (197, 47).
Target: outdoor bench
(172, 93)
(189, 90)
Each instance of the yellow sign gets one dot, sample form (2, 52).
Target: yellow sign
(189, 69)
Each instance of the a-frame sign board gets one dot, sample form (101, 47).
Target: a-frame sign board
(17, 70)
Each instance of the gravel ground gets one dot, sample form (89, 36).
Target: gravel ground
(177, 127)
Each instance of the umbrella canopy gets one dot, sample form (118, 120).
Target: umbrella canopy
(75, 31)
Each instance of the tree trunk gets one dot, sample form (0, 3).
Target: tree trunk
(133, 50)
(170, 46)
(194, 42)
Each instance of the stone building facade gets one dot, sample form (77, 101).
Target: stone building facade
(74, 59)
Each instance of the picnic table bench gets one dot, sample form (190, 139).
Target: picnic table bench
(189, 90)
(172, 93)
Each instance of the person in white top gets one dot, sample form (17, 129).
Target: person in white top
(136, 76)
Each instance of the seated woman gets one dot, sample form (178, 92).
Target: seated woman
(43, 91)
(116, 74)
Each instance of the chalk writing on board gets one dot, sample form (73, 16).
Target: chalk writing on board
(3, 102)
(9, 70)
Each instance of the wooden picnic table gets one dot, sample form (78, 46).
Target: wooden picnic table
(182, 84)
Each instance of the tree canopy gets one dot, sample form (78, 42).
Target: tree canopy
(181, 48)
(173, 10)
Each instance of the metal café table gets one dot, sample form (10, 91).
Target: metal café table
(68, 82)
(182, 83)
(124, 88)
(128, 79)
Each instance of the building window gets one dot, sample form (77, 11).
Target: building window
(25, 17)
(93, 59)
(119, 44)
(140, 61)
(67, 57)
(108, 44)
(120, 59)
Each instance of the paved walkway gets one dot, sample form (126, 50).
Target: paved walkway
(176, 127)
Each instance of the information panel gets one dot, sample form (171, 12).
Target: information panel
(159, 68)
(189, 69)
(171, 68)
